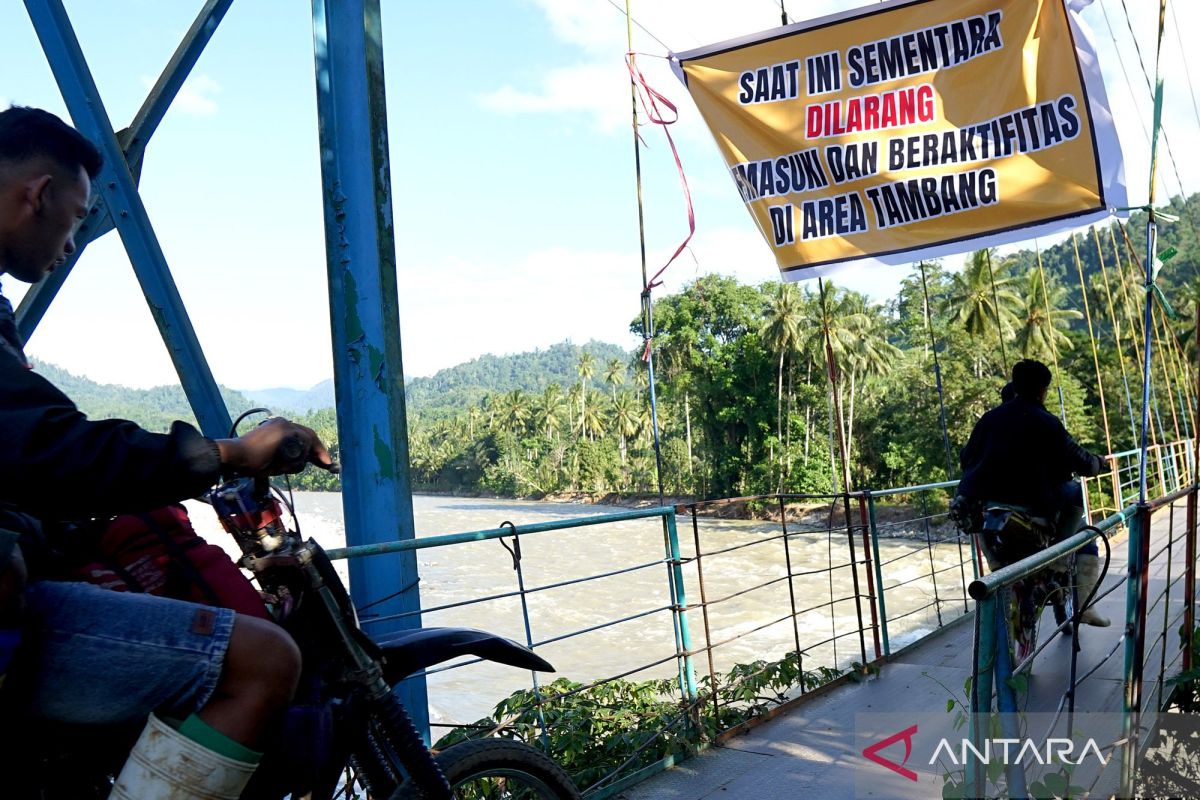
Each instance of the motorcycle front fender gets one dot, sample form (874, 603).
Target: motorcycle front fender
(407, 652)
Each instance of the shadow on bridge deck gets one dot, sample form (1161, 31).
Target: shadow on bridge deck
(810, 752)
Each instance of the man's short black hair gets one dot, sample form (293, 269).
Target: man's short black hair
(31, 132)
(1008, 392)
(1030, 378)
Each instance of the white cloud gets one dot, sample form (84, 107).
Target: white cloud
(597, 85)
(594, 88)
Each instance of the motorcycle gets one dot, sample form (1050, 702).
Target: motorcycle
(1007, 535)
(347, 730)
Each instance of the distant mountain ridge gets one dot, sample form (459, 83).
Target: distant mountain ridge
(451, 389)
(464, 385)
(154, 409)
(296, 401)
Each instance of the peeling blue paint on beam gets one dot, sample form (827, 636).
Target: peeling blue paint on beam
(363, 307)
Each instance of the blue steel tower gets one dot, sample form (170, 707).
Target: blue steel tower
(361, 256)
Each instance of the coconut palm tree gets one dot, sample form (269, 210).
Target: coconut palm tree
(982, 300)
(872, 356)
(586, 369)
(625, 420)
(1041, 319)
(780, 332)
(513, 410)
(641, 378)
(548, 410)
(593, 423)
(614, 375)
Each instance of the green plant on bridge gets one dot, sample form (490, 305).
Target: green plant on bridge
(622, 725)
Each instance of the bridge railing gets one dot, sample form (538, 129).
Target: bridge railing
(706, 626)
(1169, 466)
(1169, 560)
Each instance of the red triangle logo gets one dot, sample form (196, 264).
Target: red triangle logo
(872, 752)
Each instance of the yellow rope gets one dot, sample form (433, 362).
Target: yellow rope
(1135, 323)
(1091, 338)
(1116, 323)
(1062, 406)
(1135, 261)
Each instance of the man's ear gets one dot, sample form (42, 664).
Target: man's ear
(35, 192)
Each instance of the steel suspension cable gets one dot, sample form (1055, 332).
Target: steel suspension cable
(937, 372)
(1158, 128)
(1186, 70)
(1147, 327)
(996, 311)
(1178, 371)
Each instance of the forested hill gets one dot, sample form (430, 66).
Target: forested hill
(449, 392)
(154, 409)
(455, 389)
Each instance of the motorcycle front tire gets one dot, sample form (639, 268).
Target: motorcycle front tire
(500, 760)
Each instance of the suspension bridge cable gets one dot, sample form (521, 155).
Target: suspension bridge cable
(1162, 331)
(1116, 330)
(1135, 263)
(1150, 87)
(1062, 403)
(1187, 73)
(647, 303)
(630, 20)
(1124, 71)
(937, 372)
(996, 310)
(1149, 333)
(1091, 338)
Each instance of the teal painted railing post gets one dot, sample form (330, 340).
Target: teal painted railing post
(687, 671)
(986, 611)
(1135, 640)
(1006, 700)
(874, 528)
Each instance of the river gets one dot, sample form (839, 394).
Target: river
(753, 554)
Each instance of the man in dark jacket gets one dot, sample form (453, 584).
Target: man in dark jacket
(91, 656)
(1020, 454)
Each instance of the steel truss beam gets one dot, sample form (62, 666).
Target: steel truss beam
(133, 141)
(117, 189)
(364, 312)
(373, 434)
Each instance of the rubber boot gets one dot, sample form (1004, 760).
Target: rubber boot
(1087, 568)
(166, 764)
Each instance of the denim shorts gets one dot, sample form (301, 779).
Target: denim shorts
(96, 657)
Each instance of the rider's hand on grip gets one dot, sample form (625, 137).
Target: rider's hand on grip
(275, 447)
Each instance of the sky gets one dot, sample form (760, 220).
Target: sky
(513, 174)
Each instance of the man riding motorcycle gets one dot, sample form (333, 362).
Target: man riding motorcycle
(213, 683)
(1020, 454)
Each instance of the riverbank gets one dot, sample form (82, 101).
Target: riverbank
(893, 520)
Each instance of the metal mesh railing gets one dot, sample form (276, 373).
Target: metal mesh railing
(1161, 553)
(751, 614)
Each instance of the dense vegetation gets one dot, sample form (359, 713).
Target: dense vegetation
(745, 405)
(452, 390)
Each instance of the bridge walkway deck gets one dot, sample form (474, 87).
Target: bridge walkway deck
(809, 750)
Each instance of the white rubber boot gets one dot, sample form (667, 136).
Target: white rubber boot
(165, 765)
(1087, 568)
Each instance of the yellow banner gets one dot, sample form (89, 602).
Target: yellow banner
(908, 130)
